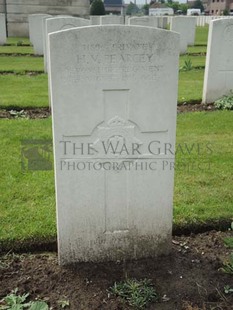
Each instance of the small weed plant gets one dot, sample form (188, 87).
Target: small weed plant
(136, 293)
(228, 267)
(228, 289)
(14, 301)
(225, 103)
(19, 43)
(63, 303)
(228, 242)
(188, 66)
(18, 114)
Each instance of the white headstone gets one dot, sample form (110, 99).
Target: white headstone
(191, 25)
(112, 20)
(36, 32)
(186, 27)
(144, 21)
(127, 17)
(45, 40)
(114, 127)
(95, 19)
(218, 79)
(163, 22)
(57, 24)
(2, 29)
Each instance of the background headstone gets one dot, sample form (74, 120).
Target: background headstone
(60, 23)
(163, 22)
(218, 79)
(191, 24)
(2, 29)
(112, 20)
(36, 32)
(95, 19)
(108, 89)
(144, 21)
(185, 26)
(127, 17)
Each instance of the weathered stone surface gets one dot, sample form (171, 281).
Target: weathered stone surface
(114, 127)
(60, 23)
(218, 79)
(36, 31)
(95, 19)
(144, 21)
(2, 29)
(163, 22)
(112, 20)
(185, 26)
(191, 25)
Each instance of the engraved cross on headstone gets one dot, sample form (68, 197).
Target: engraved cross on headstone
(110, 137)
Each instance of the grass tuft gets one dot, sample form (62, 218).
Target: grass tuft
(136, 293)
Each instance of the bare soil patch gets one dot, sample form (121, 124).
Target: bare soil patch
(46, 112)
(28, 112)
(195, 107)
(187, 279)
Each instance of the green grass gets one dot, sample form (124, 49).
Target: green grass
(16, 50)
(136, 293)
(21, 64)
(27, 211)
(15, 47)
(16, 40)
(204, 193)
(201, 35)
(197, 61)
(196, 49)
(190, 86)
(229, 242)
(27, 197)
(23, 91)
(32, 91)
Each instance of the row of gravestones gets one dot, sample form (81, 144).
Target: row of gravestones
(113, 93)
(38, 25)
(203, 20)
(218, 71)
(41, 25)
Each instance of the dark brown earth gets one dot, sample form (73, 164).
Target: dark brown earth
(195, 107)
(45, 112)
(29, 113)
(188, 279)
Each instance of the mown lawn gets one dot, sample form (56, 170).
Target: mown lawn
(190, 86)
(32, 91)
(196, 61)
(13, 49)
(201, 35)
(23, 91)
(203, 189)
(27, 198)
(203, 186)
(17, 40)
(21, 63)
(203, 181)
(196, 49)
